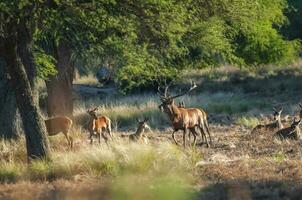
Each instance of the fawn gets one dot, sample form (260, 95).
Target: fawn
(272, 127)
(137, 136)
(292, 132)
(98, 125)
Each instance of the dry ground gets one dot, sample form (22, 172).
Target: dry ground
(237, 166)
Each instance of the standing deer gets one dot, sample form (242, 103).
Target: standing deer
(292, 132)
(272, 127)
(57, 125)
(97, 125)
(137, 136)
(184, 118)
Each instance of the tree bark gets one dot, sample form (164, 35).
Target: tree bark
(9, 123)
(34, 127)
(24, 48)
(59, 87)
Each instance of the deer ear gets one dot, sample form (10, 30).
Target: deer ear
(146, 119)
(281, 109)
(300, 105)
(294, 119)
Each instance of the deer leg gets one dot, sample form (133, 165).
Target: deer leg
(207, 128)
(173, 137)
(110, 134)
(104, 137)
(69, 139)
(71, 142)
(204, 135)
(99, 136)
(194, 136)
(91, 137)
(184, 137)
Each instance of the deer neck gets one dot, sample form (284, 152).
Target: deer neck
(174, 112)
(139, 131)
(279, 123)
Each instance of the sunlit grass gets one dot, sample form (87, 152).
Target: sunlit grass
(89, 79)
(249, 122)
(120, 158)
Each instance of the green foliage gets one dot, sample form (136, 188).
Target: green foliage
(143, 71)
(292, 29)
(45, 64)
(147, 42)
(262, 43)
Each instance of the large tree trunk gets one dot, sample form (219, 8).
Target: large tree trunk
(34, 127)
(25, 43)
(59, 87)
(8, 108)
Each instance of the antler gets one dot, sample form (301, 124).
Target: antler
(193, 86)
(164, 95)
(278, 110)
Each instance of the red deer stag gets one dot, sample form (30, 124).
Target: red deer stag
(98, 125)
(57, 125)
(184, 118)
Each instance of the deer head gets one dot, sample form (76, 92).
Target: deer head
(277, 113)
(92, 112)
(143, 124)
(168, 100)
(295, 123)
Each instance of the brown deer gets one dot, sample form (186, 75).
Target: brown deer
(97, 126)
(57, 125)
(271, 127)
(137, 136)
(292, 132)
(184, 118)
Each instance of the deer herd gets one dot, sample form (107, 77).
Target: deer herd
(191, 121)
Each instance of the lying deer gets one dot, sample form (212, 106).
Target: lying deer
(292, 132)
(57, 125)
(184, 118)
(272, 127)
(137, 136)
(97, 126)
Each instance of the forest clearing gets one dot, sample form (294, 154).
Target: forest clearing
(236, 166)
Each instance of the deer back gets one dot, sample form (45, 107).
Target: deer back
(99, 123)
(57, 124)
(188, 118)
